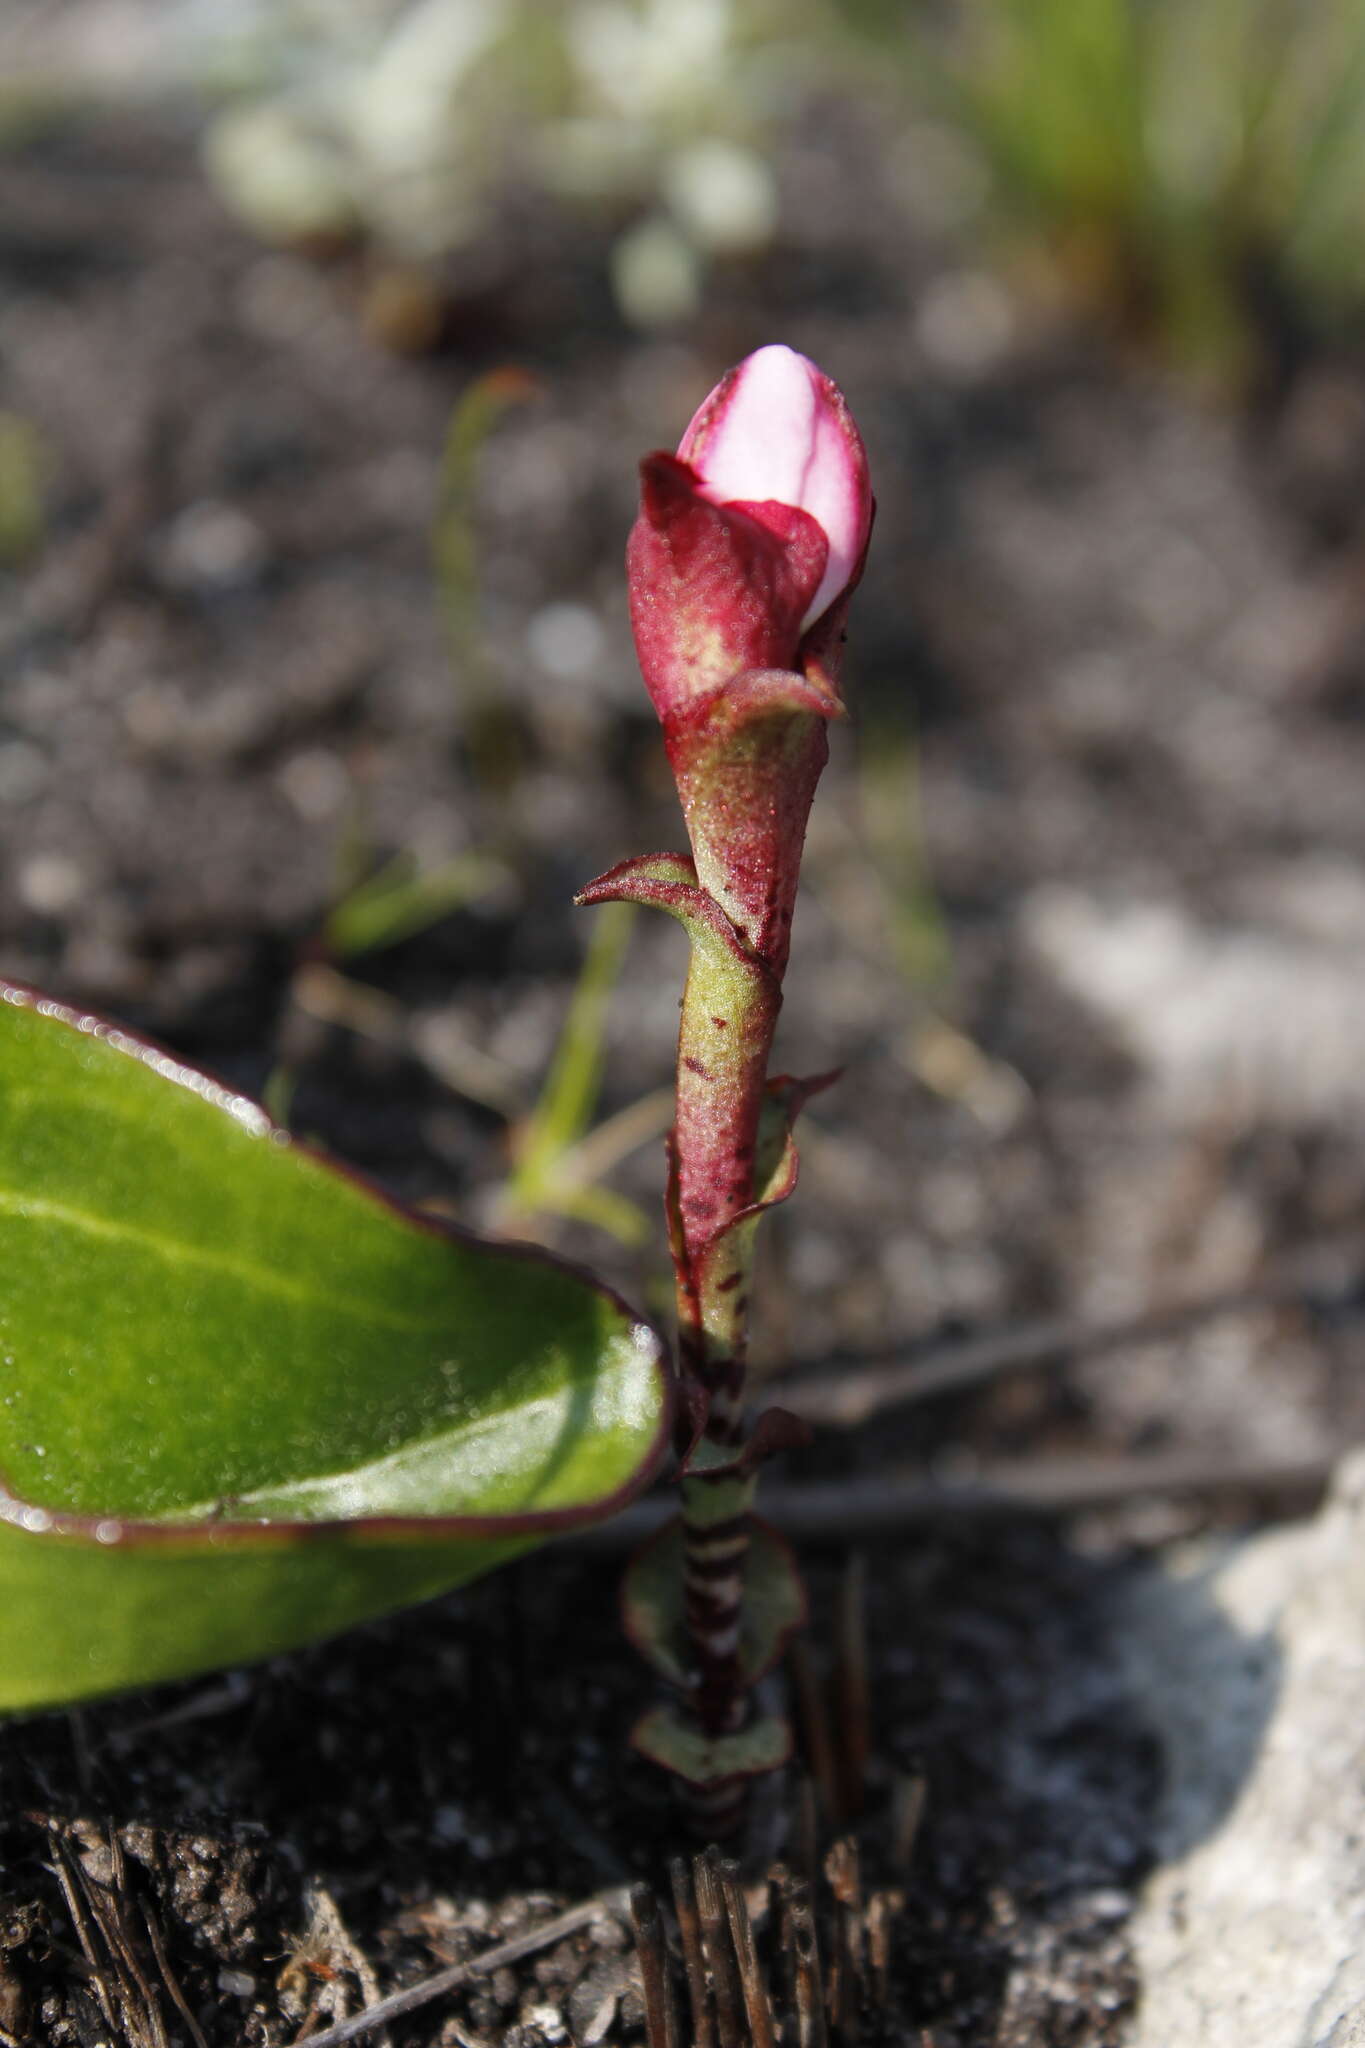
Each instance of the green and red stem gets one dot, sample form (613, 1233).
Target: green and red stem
(730, 1158)
(722, 1073)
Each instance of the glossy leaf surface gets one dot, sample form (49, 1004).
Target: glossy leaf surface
(246, 1401)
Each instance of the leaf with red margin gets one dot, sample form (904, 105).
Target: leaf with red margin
(775, 1430)
(246, 1400)
(665, 1738)
(652, 1595)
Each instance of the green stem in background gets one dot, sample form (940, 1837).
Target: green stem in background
(548, 1146)
(454, 538)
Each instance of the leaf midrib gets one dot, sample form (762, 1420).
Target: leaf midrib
(453, 1436)
(38, 1208)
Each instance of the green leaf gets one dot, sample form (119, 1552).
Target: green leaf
(245, 1400)
(667, 1739)
(652, 1602)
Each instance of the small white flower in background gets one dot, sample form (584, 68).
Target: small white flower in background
(398, 120)
(648, 61)
(655, 274)
(723, 194)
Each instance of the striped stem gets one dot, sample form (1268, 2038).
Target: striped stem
(728, 1020)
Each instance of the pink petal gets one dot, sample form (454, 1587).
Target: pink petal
(777, 429)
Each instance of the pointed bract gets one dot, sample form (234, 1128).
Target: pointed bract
(714, 590)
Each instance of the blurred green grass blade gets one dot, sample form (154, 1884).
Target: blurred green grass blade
(891, 804)
(1056, 90)
(569, 1098)
(621, 1218)
(1326, 211)
(1188, 164)
(402, 899)
(244, 1400)
(454, 542)
(22, 467)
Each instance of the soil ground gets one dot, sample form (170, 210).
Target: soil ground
(1095, 830)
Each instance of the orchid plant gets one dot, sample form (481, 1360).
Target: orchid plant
(246, 1400)
(748, 547)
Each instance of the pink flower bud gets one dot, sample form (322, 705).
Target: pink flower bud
(777, 431)
(748, 545)
(751, 536)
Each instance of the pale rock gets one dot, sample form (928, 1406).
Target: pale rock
(1250, 1661)
(1261, 1021)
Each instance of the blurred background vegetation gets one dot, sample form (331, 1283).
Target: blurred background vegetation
(1190, 171)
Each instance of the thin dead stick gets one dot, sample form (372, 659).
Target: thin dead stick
(846, 1394)
(811, 2031)
(119, 1981)
(780, 1939)
(171, 1981)
(762, 2033)
(661, 2017)
(852, 1510)
(214, 1699)
(806, 1828)
(61, 1870)
(610, 1904)
(106, 1906)
(1038, 1486)
(694, 1961)
(326, 996)
(616, 1137)
(909, 1796)
(813, 1719)
(851, 1708)
(882, 1911)
(846, 1972)
(720, 1953)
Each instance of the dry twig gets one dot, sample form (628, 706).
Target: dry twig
(719, 1949)
(127, 2001)
(846, 1971)
(400, 2002)
(757, 2004)
(817, 1740)
(694, 1960)
(886, 1508)
(811, 2031)
(852, 1708)
(847, 1392)
(661, 2017)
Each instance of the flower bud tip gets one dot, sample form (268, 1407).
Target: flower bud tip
(777, 430)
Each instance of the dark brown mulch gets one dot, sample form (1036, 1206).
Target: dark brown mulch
(435, 1783)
